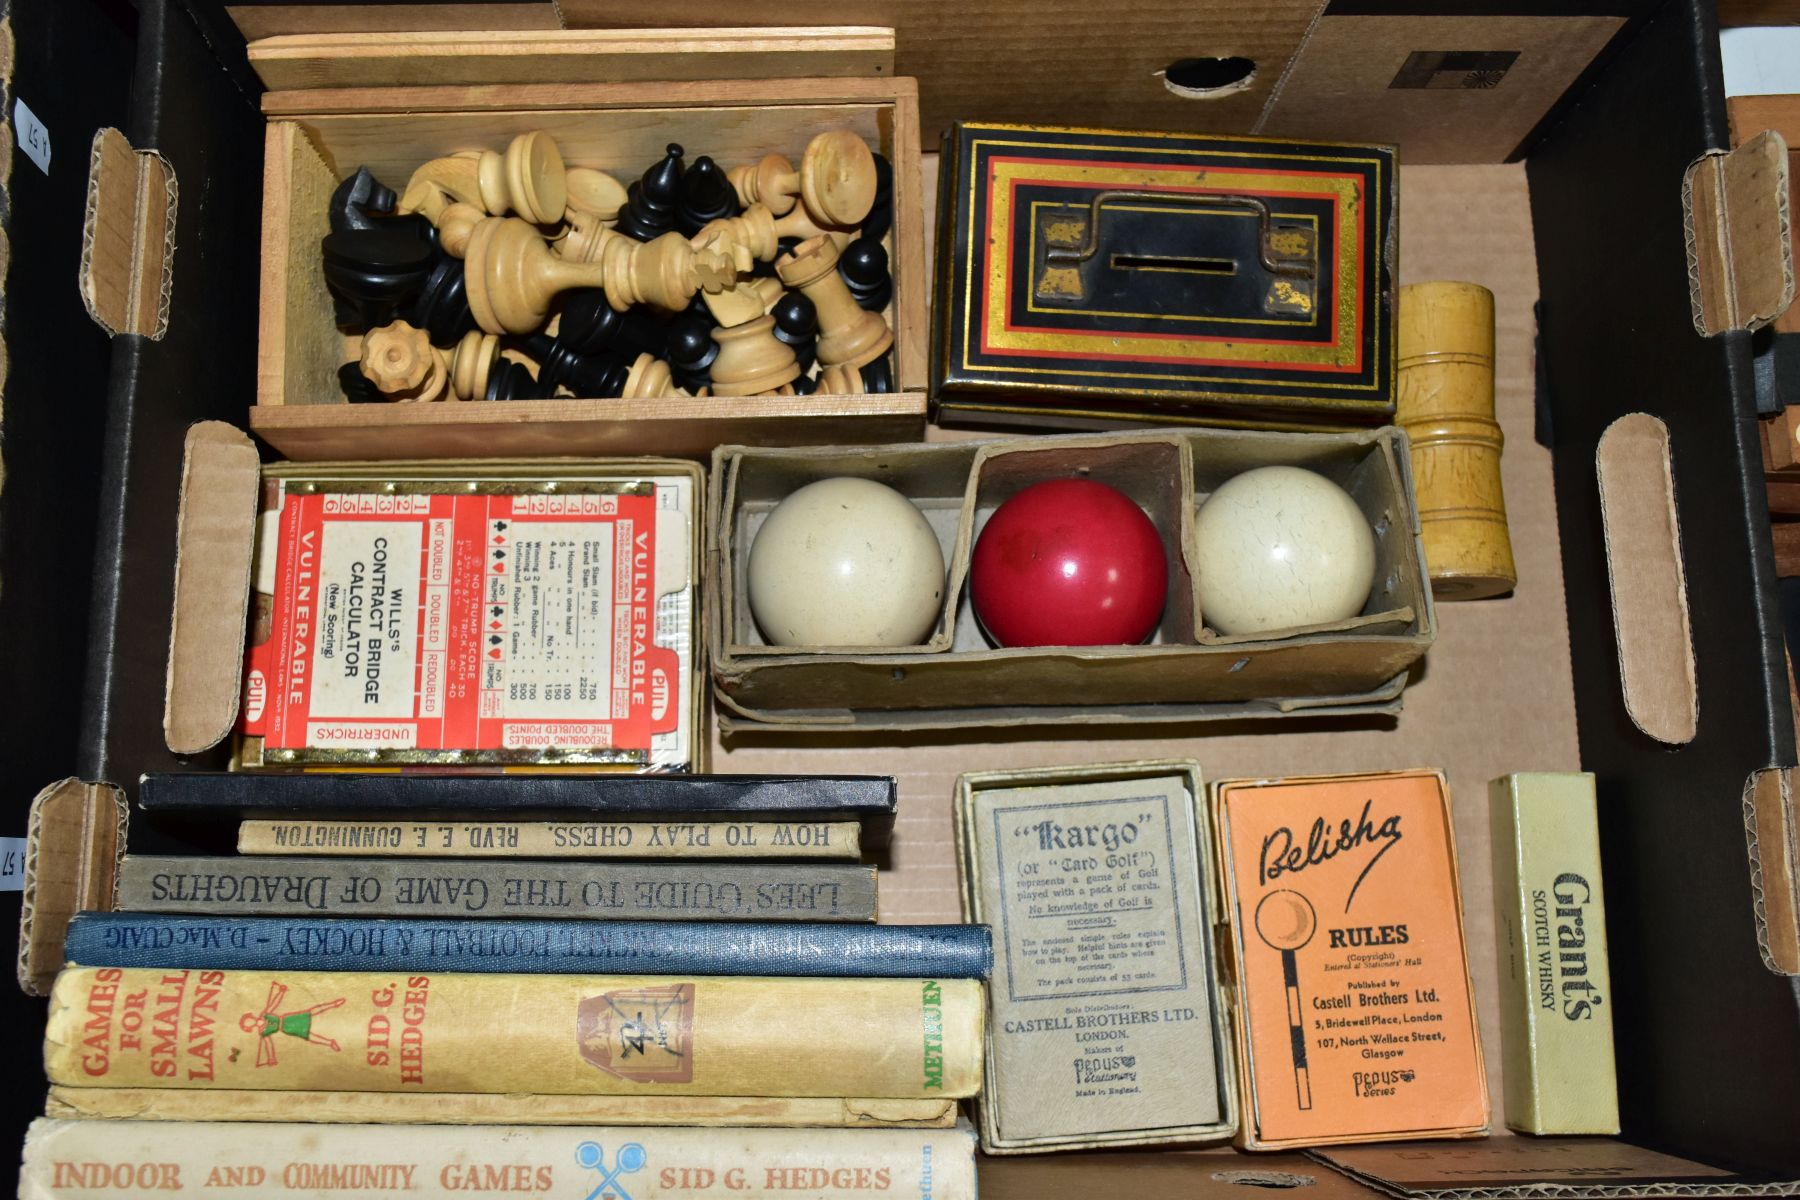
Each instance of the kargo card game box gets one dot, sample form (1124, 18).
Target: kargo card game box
(485, 616)
(1357, 1019)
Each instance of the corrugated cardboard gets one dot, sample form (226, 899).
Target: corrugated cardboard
(957, 678)
(74, 841)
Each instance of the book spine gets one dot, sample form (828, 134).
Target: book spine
(312, 1162)
(556, 1034)
(135, 939)
(459, 1108)
(554, 839)
(385, 887)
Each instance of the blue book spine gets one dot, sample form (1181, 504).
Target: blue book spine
(134, 939)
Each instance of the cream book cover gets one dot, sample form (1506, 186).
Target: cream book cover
(1550, 936)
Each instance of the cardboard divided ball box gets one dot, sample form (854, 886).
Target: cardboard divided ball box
(447, 615)
(340, 103)
(1184, 671)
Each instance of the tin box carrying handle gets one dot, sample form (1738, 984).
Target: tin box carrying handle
(1287, 251)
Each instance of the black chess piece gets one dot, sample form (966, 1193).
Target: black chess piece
(706, 195)
(878, 376)
(441, 308)
(797, 324)
(374, 273)
(590, 325)
(357, 387)
(806, 385)
(864, 266)
(881, 213)
(512, 381)
(650, 202)
(691, 351)
(356, 198)
(560, 365)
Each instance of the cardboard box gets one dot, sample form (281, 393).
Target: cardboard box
(1587, 204)
(1356, 1015)
(1107, 1021)
(1185, 671)
(227, 549)
(332, 110)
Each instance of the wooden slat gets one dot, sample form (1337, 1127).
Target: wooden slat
(563, 97)
(423, 59)
(256, 21)
(1734, 13)
(1786, 535)
(1784, 499)
(674, 427)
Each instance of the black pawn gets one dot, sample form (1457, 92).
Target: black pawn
(357, 387)
(356, 198)
(511, 381)
(591, 325)
(650, 202)
(588, 376)
(864, 266)
(806, 385)
(374, 273)
(441, 308)
(691, 351)
(881, 213)
(797, 324)
(706, 195)
(878, 376)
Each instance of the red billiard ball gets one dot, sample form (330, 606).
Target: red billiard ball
(1069, 562)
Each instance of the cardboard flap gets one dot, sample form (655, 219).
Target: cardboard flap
(1521, 1167)
(1735, 217)
(1772, 835)
(302, 62)
(215, 542)
(74, 840)
(128, 237)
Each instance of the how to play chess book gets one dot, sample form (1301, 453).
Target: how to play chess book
(414, 887)
(554, 839)
(307, 1162)
(555, 1034)
(130, 939)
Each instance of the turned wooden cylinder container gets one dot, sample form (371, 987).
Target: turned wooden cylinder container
(1445, 403)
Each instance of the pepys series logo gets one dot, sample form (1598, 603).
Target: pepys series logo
(644, 1034)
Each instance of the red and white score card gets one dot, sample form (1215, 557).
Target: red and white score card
(477, 627)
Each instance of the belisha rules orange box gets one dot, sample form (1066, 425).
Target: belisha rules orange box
(1356, 1016)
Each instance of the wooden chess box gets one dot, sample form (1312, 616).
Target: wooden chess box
(319, 135)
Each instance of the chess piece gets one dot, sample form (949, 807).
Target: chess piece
(356, 386)
(455, 223)
(797, 324)
(864, 266)
(752, 361)
(1444, 399)
(848, 334)
(870, 379)
(511, 379)
(356, 198)
(765, 267)
(439, 184)
(836, 181)
(471, 363)
(705, 195)
(373, 273)
(590, 376)
(881, 213)
(756, 235)
(529, 179)
(736, 305)
(589, 325)
(441, 308)
(399, 360)
(767, 289)
(692, 352)
(512, 276)
(595, 193)
(649, 210)
(806, 385)
(649, 378)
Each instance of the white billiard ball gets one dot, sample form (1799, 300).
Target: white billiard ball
(1280, 547)
(846, 562)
